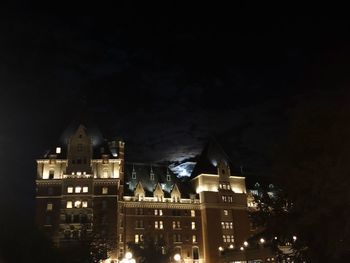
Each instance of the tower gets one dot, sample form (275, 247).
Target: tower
(78, 186)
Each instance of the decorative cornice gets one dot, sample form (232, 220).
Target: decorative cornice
(165, 205)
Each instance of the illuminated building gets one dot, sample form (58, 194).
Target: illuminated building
(86, 189)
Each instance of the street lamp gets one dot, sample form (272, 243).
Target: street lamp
(128, 258)
(177, 257)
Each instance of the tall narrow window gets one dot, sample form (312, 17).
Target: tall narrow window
(160, 212)
(193, 213)
(77, 204)
(49, 207)
(69, 204)
(51, 174)
(85, 189)
(194, 239)
(104, 190)
(160, 224)
(193, 225)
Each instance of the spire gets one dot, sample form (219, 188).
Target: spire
(151, 174)
(133, 173)
(168, 177)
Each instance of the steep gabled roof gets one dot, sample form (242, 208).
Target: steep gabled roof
(208, 160)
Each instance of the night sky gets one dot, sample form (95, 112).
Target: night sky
(164, 78)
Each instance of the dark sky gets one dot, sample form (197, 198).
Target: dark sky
(164, 78)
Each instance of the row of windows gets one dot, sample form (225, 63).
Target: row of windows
(84, 189)
(160, 225)
(227, 225)
(159, 212)
(228, 239)
(77, 204)
(176, 238)
(227, 198)
(225, 186)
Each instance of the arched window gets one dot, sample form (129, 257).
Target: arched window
(195, 253)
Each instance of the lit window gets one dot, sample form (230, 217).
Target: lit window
(155, 212)
(69, 204)
(160, 212)
(225, 212)
(227, 225)
(224, 198)
(104, 190)
(224, 238)
(78, 173)
(193, 225)
(176, 224)
(69, 189)
(85, 204)
(49, 207)
(160, 224)
(228, 239)
(77, 204)
(85, 189)
(232, 239)
(223, 225)
(77, 189)
(193, 213)
(58, 149)
(231, 225)
(156, 224)
(194, 238)
(137, 238)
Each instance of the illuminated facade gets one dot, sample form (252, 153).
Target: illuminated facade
(86, 190)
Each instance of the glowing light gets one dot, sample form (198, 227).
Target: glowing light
(231, 246)
(221, 248)
(128, 255)
(245, 243)
(177, 257)
(262, 241)
(275, 238)
(241, 248)
(58, 149)
(294, 238)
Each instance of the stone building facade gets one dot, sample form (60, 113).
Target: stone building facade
(87, 190)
